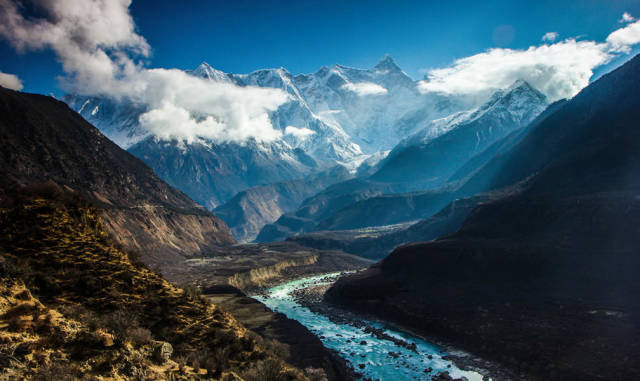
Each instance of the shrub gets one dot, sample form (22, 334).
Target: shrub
(119, 322)
(278, 349)
(267, 370)
(139, 336)
(57, 371)
(315, 374)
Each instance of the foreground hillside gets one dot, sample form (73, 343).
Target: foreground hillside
(544, 278)
(73, 305)
(44, 140)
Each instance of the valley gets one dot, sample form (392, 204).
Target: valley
(352, 191)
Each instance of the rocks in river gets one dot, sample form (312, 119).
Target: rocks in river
(430, 357)
(381, 335)
(446, 377)
(363, 342)
(361, 366)
(395, 355)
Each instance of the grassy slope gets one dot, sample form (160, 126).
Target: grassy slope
(74, 305)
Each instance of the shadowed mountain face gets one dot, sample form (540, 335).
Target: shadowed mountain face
(555, 259)
(436, 159)
(463, 142)
(212, 174)
(248, 211)
(44, 140)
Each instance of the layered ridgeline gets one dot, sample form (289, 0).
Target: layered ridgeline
(543, 278)
(249, 210)
(44, 140)
(430, 161)
(348, 116)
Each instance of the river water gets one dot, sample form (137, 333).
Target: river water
(371, 359)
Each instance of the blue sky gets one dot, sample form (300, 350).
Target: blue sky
(241, 36)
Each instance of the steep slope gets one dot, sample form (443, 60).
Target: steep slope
(74, 306)
(248, 211)
(436, 159)
(44, 140)
(544, 278)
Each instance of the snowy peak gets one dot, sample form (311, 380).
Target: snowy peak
(523, 87)
(520, 100)
(204, 70)
(387, 63)
(513, 106)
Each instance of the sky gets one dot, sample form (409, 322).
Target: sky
(241, 36)
(134, 50)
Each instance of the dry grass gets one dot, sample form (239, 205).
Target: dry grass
(74, 305)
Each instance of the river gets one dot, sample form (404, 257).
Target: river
(367, 354)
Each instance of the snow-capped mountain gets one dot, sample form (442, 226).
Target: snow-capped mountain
(337, 115)
(436, 151)
(119, 121)
(516, 105)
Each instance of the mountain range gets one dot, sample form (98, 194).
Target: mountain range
(425, 164)
(350, 116)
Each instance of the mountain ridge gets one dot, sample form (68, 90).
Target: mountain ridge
(45, 141)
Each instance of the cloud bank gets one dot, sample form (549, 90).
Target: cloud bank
(559, 70)
(102, 54)
(10, 81)
(365, 88)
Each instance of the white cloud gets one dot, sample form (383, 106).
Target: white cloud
(10, 81)
(101, 54)
(559, 70)
(626, 17)
(622, 39)
(550, 36)
(189, 108)
(365, 88)
(298, 132)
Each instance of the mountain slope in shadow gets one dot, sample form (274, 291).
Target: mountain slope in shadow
(544, 278)
(44, 140)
